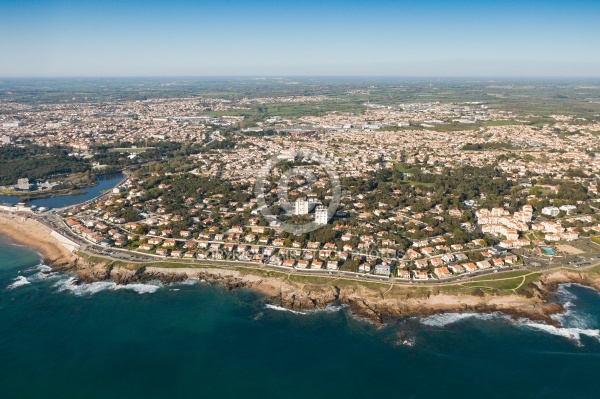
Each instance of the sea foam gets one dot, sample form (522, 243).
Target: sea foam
(188, 281)
(569, 333)
(282, 309)
(573, 324)
(18, 282)
(93, 288)
(44, 272)
(573, 318)
(327, 309)
(149, 288)
(444, 319)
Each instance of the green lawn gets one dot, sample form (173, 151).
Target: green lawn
(499, 275)
(418, 183)
(401, 167)
(510, 284)
(130, 150)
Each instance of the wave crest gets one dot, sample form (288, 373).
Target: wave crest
(444, 319)
(93, 288)
(18, 282)
(569, 333)
(327, 309)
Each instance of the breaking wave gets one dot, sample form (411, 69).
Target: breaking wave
(330, 308)
(93, 288)
(566, 332)
(573, 318)
(444, 319)
(574, 323)
(327, 309)
(189, 281)
(43, 273)
(18, 282)
(282, 309)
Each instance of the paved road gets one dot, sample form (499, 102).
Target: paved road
(56, 223)
(114, 254)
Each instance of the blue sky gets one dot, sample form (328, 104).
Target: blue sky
(304, 37)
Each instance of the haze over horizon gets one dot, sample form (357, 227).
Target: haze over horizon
(305, 38)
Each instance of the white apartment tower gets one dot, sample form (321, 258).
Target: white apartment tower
(301, 207)
(321, 215)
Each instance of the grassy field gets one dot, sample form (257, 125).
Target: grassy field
(130, 150)
(418, 183)
(504, 281)
(505, 275)
(509, 284)
(400, 167)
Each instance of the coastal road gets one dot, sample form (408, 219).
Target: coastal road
(54, 222)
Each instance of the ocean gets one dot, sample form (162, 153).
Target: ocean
(196, 340)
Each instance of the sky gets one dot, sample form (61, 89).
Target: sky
(440, 38)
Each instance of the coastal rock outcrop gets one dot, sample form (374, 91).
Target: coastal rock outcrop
(367, 303)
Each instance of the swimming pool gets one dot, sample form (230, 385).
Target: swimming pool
(548, 251)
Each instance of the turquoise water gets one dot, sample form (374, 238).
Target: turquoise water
(548, 251)
(104, 183)
(197, 341)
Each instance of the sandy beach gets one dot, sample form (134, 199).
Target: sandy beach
(33, 234)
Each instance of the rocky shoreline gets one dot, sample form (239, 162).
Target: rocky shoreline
(365, 303)
(377, 303)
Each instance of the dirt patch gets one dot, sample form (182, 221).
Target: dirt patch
(568, 249)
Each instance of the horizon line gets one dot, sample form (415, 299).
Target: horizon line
(284, 76)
